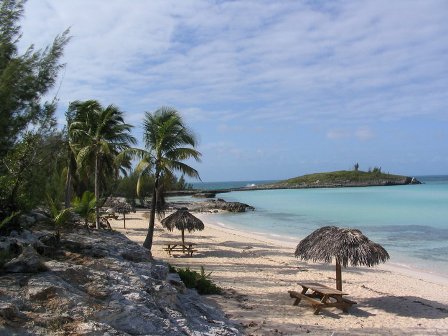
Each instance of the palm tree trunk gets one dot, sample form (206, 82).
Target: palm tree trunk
(152, 216)
(68, 184)
(97, 193)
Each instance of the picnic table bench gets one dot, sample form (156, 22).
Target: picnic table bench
(104, 219)
(321, 296)
(179, 247)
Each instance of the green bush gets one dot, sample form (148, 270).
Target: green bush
(200, 281)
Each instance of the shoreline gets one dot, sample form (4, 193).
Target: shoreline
(404, 269)
(257, 271)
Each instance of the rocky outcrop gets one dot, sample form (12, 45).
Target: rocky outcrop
(219, 204)
(205, 195)
(97, 284)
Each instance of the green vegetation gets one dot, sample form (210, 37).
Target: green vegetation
(28, 137)
(91, 153)
(168, 143)
(85, 207)
(344, 177)
(200, 281)
(99, 137)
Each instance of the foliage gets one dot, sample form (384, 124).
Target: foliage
(99, 137)
(85, 206)
(126, 187)
(341, 177)
(200, 281)
(9, 223)
(168, 143)
(27, 125)
(28, 168)
(171, 268)
(59, 215)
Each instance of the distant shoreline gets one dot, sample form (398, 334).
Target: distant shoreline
(280, 185)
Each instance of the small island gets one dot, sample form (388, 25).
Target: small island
(342, 178)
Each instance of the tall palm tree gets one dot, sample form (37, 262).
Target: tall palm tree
(99, 136)
(168, 142)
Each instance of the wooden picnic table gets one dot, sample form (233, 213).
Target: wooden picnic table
(179, 247)
(321, 296)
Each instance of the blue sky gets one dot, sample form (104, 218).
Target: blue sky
(273, 89)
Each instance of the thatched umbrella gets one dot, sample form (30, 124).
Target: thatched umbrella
(347, 246)
(183, 220)
(123, 208)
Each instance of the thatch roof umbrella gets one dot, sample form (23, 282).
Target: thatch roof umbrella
(123, 208)
(183, 220)
(347, 246)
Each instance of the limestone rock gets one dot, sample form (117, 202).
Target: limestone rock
(29, 261)
(101, 284)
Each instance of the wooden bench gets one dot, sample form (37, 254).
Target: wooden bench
(299, 296)
(321, 296)
(188, 249)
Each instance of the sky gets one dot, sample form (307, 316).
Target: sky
(272, 89)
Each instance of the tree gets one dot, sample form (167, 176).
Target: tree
(99, 137)
(27, 125)
(168, 143)
(24, 79)
(85, 206)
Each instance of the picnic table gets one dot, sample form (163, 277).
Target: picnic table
(104, 219)
(321, 296)
(179, 247)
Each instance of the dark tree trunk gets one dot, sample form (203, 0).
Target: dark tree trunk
(183, 240)
(68, 187)
(152, 216)
(97, 193)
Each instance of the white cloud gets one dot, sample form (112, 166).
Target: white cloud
(364, 133)
(282, 61)
(361, 133)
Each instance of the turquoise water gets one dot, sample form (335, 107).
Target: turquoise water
(411, 221)
(227, 184)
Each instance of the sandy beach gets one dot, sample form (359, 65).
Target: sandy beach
(256, 273)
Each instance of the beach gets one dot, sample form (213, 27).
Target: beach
(257, 271)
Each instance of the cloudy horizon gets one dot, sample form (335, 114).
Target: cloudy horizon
(273, 89)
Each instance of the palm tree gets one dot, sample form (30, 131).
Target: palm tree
(85, 206)
(99, 135)
(168, 142)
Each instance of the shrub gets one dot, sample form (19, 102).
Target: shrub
(200, 281)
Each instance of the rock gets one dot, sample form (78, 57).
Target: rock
(205, 195)
(29, 261)
(8, 310)
(175, 280)
(26, 220)
(220, 204)
(123, 292)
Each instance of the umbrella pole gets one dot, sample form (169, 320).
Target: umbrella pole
(183, 240)
(338, 275)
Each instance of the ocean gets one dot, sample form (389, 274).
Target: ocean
(410, 222)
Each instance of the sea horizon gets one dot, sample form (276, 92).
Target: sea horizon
(407, 220)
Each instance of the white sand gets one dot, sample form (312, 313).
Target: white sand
(257, 272)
